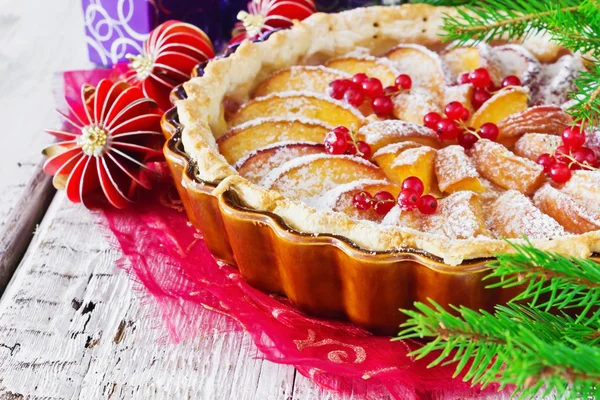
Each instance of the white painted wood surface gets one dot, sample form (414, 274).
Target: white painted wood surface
(71, 327)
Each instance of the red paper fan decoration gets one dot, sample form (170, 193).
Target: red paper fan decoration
(266, 15)
(171, 52)
(113, 132)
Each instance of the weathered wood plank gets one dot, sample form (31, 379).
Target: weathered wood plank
(73, 327)
(18, 227)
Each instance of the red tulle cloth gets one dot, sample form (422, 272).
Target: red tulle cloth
(164, 253)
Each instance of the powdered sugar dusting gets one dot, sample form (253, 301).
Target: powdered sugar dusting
(414, 104)
(533, 145)
(452, 165)
(459, 216)
(567, 203)
(279, 153)
(513, 215)
(420, 70)
(517, 60)
(395, 148)
(584, 186)
(377, 131)
(313, 182)
(558, 79)
(411, 156)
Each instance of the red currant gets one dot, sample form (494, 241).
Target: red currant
(511, 80)
(431, 119)
(354, 97)
(467, 140)
(560, 172)
(390, 91)
(362, 201)
(480, 96)
(447, 129)
(489, 131)
(384, 202)
(453, 110)
(336, 89)
(463, 78)
(365, 149)
(372, 87)
(382, 106)
(414, 183)
(427, 204)
(359, 78)
(336, 141)
(560, 153)
(480, 78)
(584, 155)
(403, 81)
(573, 136)
(546, 161)
(408, 199)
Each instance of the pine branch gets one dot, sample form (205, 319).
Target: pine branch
(553, 280)
(526, 347)
(586, 100)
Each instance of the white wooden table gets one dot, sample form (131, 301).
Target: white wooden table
(71, 327)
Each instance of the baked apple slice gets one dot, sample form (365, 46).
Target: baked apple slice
(374, 67)
(298, 105)
(513, 215)
(455, 171)
(424, 66)
(404, 159)
(518, 61)
(308, 176)
(505, 169)
(341, 198)
(566, 210)
(533, 145)
(539, 119)
(412, 105)
(560, 80)
(256, 165)
(584, 186)
(381, 133)
(301, 78)
(501, 105)
(458, 216)
(252, 135)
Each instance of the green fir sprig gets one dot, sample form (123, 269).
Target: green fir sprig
(573, 24)
(546, 339)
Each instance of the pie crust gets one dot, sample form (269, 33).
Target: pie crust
(316, 39)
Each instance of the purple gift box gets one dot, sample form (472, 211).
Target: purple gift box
(115, 28)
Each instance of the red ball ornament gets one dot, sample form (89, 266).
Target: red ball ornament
(170, 54)
(266, 15)
(113, 133)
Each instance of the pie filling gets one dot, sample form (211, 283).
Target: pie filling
(482, 128)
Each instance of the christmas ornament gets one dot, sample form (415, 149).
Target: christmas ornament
(111, 134)
(170, 54)
(266, 15)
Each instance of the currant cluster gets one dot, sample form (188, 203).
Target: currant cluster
(410, 198)
(453, 127)
(341, 141)
(570, 156)
(484, 86)
(355, 90)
